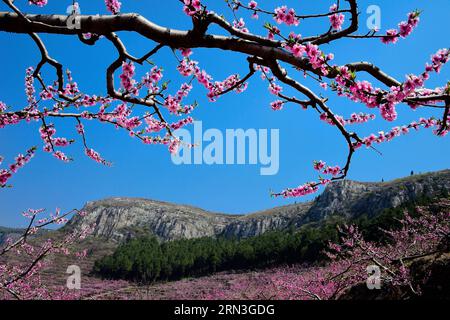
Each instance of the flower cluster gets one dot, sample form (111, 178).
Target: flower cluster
(364, 92)
(274, 88)
(39, 3)
(273, 30)
(152, 78)
(252, 4)
(322, 167)
(20, 161)
(3, 107)
(355, 118)
(313, 187)
(173, 103)
(94, 155)
(61, 156)
(192, 7)
(113, 6)
(240, 25)
(300, 191)
(189, 67)
(153, 125)
(47, 134)
(126, 78)
(401, 130)
(277, 105)
(174, 146)
(183, 122)
(29, 87)
(405, 28)
(287, 16)
(318, 59)
(337, 19)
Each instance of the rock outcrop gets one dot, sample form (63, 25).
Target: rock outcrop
(351, 198)
(119, 219)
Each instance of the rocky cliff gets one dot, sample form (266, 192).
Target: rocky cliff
(118, 219)
(351, 199)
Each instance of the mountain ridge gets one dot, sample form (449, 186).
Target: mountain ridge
(121, 218)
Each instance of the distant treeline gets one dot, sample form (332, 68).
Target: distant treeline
(147, 259)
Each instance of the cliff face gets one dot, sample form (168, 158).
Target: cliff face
(351, 199)
(121, 218)
(118, 219)
(257, 223)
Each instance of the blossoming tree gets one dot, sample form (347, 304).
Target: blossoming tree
(424, 235)
(164, 110)
(270, 54)
(22, 279)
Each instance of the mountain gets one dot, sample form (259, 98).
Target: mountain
(11, 233)
(15, 233)
(119, 219)
(351, 199)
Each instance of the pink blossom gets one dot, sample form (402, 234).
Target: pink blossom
(192, 7)
(39, 3)
(391, 36)
(113, 6)
(173, 146)
(252, 4)
(152, 77)
(153, 125)
(319, 165)
(61, 156)
(126, 78)
(240, 25)
(298, 50)
(334, 171)
(186, 52)
(405, 28)
(283, 15)
(275, 89)
(337, 20)
(181, 123)
(277, 105)
(94, 155)
(20, 161)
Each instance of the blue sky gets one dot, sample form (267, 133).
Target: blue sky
(147, 171)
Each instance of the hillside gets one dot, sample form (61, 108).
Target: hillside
(6, 233)
(119, 219)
